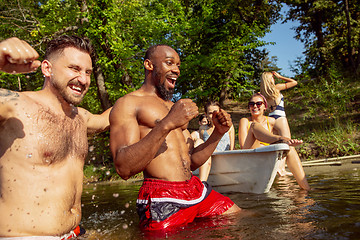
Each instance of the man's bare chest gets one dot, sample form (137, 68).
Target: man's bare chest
(48, 136)
(151, 112)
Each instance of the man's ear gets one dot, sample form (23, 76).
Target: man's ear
(46, 68)
(148, 65)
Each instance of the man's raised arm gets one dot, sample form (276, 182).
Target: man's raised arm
(17, 56)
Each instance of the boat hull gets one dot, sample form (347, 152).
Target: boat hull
(248, 170)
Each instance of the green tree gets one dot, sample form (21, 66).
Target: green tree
(222, 43)
(330, 31)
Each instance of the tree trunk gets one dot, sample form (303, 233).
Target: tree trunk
(100, 83)
(224, 91)
(317, 26)
(350, 50)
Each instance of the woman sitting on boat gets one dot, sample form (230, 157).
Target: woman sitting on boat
(258, 130)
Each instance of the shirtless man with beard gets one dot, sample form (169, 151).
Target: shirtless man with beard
(43, 140)
(148, 134)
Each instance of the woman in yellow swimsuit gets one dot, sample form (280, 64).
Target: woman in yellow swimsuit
(257, 106)
(258, 130)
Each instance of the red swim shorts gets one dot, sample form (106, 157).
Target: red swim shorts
(74, 233)
(162, 204)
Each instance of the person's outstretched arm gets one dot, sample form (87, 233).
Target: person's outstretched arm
(96, 122)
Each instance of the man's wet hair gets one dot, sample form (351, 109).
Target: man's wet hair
(57, 45)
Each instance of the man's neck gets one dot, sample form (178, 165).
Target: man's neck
(56, 103)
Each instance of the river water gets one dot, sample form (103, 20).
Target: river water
(330, 211)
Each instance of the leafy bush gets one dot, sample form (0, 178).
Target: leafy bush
(330, 141)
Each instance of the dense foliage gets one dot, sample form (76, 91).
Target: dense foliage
(330, 31)
(219, 42)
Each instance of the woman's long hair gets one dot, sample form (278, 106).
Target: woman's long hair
(267, 86)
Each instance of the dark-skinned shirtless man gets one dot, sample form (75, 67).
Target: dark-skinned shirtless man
(148, 134)
(43, 140)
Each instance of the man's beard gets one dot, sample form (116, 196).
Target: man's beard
(165, 94)
(67, 97)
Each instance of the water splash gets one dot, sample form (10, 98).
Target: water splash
(91, 148)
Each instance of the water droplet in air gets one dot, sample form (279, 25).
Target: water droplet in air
(115, 195)
(29, 155)
(125, 226)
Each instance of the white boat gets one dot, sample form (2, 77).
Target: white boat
(247, 170)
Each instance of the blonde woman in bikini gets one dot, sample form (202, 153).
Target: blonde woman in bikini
(272, 93)
(258, 130)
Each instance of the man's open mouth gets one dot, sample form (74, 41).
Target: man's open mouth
(172, 81)
(76, 89)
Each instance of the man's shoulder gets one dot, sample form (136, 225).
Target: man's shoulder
(19, 99)
(8, 94)
(136, 98)
(13, 103)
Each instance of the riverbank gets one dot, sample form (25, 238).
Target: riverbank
(337, 164)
